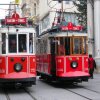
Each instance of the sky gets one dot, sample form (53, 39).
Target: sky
(3, 8)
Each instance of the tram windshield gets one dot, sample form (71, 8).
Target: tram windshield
(12, 43)
(17, 43)
(3, 43)
(70, 45)
(22, 43)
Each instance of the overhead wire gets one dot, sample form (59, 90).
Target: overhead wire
(91, 2)
(48, 3)
(56, 4)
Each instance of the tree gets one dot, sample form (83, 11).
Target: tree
(82, 8)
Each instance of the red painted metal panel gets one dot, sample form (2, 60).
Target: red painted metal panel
(15, 75)
(44, 63)
(68, 63)
(86, 64)
(32, 65)
(64, 69)
(2, 65)
(17, 60)
(73, 74)
(59, 65)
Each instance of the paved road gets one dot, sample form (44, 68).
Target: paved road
(45, 91)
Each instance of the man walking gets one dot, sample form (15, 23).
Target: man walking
(91, 65)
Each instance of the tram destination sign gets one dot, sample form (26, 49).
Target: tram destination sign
(15, 19)
(72, 27)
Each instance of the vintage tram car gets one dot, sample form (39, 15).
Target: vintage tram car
(17, 52)
(62, 54)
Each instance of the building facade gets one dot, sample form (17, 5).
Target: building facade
(30, 9)
(49, 10)
(14, 7)
(93, 16)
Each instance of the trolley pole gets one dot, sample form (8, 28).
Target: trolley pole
(62, 8)
(9, 6)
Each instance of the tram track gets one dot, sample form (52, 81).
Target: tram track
(78, 94)
(83, 95)
(30, 94)
(6, 94)
(91, 90)
(5, 91)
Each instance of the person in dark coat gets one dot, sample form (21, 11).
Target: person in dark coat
(91, 65)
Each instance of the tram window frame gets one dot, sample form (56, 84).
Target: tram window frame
(13, 43)
(3, 43)
(84, 49)
(45, 46)
(60, 46)
(75, 46)
(80, 48)
(31, 43)
(56, 45)
(67, 45)
(22, 43)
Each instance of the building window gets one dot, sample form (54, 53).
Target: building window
(71, 17)
(45, 22)
(34, 8)
(67, 2)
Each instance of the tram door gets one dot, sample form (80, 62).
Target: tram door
(53, 62)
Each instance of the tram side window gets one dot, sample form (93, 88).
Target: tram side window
(22, 42)
(84, 45)
(52, 46)
(12, 43)
(3, 43)
(77, 46)
(61, 46)
(30, 42)
(45, 46)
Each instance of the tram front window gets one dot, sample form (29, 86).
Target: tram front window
(3, 43)
(84, 45)
(30, 42)
(77, 46)
(12, 43)
(22, 43)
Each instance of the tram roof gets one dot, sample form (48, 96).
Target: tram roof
(17, 29)
(55, 31)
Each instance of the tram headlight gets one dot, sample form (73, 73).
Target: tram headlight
(17, 67)
(74, 64)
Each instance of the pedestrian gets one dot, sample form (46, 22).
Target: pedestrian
(91, 65)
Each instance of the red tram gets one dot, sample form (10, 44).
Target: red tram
(17, 53)
(62, 54)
